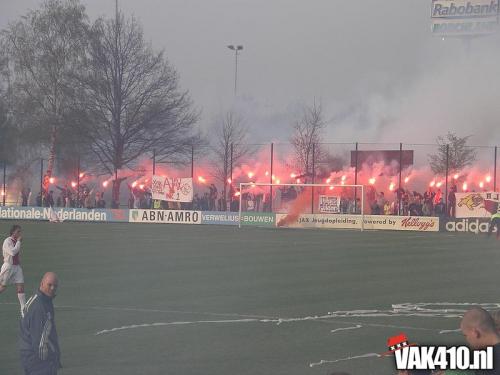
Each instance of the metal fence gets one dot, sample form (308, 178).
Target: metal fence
(275, 163)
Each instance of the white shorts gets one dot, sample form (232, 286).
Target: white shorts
(11, 274)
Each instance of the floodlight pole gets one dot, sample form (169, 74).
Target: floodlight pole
(192, 161)
(154, 161)
(236, 50)
(313, 173)
(78, 184)
(400, 171)
(495, 171)
(446, 183)
(231, 196)
(231, 164)
(356, 178)
(362, 207)
(41, 181)
(239, 209)
(271, 177)
(4, 182)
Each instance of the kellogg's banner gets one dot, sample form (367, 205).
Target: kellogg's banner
(172, 189)
(476, 204)
(412, 223)
(371, 222)
(329, 204)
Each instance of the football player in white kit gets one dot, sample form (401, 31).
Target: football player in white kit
(11, 272)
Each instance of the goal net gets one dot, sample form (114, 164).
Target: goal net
(302, 205)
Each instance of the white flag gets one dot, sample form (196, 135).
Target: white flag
(172, 189)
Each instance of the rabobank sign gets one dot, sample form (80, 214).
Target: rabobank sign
(464, 17)
(464, 9)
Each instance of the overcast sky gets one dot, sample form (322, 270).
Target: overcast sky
(375, 66)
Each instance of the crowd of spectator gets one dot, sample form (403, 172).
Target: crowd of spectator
(412, 203)
(69, 197)
(399, 202)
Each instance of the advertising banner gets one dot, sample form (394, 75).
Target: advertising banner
(474, 226)
(258, 219)
(63, 214)
(329, 204)
(221, 218)
(165, 216)
(476, 204)
(464, 17)
(320, 221)
(172, 189)
(371, 222)
(411, 223)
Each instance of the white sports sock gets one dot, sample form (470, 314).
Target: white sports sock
(22, 300)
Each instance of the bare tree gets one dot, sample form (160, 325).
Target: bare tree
(229, 146)
(45, 47)
(308, 131)
(132, 100)
(458, 157)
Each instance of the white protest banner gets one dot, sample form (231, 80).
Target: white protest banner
(329, 204)
(172, 189)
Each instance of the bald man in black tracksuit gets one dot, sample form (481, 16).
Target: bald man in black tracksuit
(40, 354)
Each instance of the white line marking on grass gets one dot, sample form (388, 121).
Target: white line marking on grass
(346, 328)
(445, 331)
(146, 325)
(422, 309)
(323, 361)
(277, 321)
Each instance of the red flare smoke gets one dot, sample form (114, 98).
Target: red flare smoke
(298, 206)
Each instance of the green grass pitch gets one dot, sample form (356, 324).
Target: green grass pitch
(219, 300)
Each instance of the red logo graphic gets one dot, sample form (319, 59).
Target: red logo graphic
(411, 222)
(396, 342)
